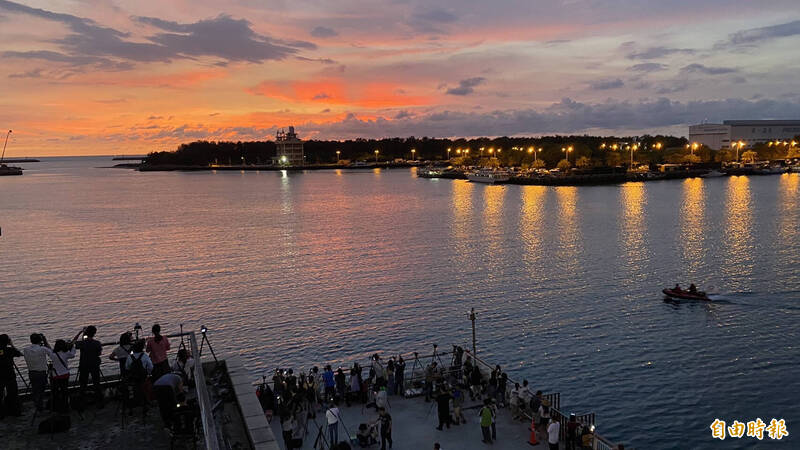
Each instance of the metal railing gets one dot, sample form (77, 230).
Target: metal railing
(210, 432)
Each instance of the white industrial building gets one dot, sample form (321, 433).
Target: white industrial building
(718, 136)
(289, 148)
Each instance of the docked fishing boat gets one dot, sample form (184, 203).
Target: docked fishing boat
(10, 170)
(440, 172)
(685, 295)
(489, 176)
(5, 169)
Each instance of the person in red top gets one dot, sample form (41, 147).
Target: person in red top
(157, 347)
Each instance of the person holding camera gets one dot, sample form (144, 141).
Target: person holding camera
(89, 362)
(9, 400)
(184, 365)
(36, 356)
(63, 351)
(120, 354)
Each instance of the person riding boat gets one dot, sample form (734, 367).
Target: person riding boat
(693, 288)
(677, 287)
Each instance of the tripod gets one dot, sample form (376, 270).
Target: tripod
(204, 339)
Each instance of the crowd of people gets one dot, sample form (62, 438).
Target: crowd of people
(144, 368)
(297, 399)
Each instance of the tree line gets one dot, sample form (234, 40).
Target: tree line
(546, 151)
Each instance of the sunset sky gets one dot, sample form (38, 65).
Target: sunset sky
(113, 77)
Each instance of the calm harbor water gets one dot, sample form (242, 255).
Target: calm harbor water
(295, 269)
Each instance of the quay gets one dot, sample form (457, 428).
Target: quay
(144, 167)
(225, 411)
(221, 410)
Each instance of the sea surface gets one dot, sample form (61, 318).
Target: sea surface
(302, 269)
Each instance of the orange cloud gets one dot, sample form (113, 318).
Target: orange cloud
(337, 92)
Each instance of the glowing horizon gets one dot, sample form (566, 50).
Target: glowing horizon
(89, 77)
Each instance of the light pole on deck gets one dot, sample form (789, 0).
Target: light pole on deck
(472, 318)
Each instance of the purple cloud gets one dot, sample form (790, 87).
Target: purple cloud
(466, 87)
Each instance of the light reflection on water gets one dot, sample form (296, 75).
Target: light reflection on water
(294, 269)
(693, 225)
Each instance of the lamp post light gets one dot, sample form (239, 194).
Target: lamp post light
(694, 147)
(414, 154)
(338, 153)
(448, 153)
(481, 149)
(376, 156)
(633, 148)
(566, 152)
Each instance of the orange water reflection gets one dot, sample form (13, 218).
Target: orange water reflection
(462, 192)
(569, 232)
(789, 185)
(693, 225)
(493, 231)
(738, 233)
(632, 230)
(531, 224)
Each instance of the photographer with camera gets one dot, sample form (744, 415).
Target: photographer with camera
(89, 363)
(9, 401)
(120, 354)
(36, 356)
(63, 351)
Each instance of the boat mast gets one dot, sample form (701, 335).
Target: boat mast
(4, 147)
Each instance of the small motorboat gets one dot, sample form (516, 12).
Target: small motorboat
(685, 295)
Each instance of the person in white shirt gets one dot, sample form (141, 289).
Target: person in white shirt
(36, 356)
(552, 433)
(137, 357)
(514, 402)
(184, 364)
(332, 414)
(525, 396)
(62, 353)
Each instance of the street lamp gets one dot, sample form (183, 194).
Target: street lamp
(338, 152)
(566, 152)
(694, 147)
(633, 148)
(481, 149)
(414, 154)
(376, 156)
(448, 153)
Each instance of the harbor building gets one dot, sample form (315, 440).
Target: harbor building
(289, 148)
(718, 136)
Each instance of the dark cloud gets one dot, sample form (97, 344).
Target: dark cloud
(566, 116)
(757, 35)
(35, 73)
(433, 21)
(672, 87)
(222, 37)
(648, 67)
(403, 115)
(91, 44)
(466, 87)
(602, 85)
(323, 32)
(435, 15)
(557, 42)
(321, 96)
(656, 52)
(71, 60)
(707, 70)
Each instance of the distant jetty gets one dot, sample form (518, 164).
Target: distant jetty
(177, 167)
(20, 160)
